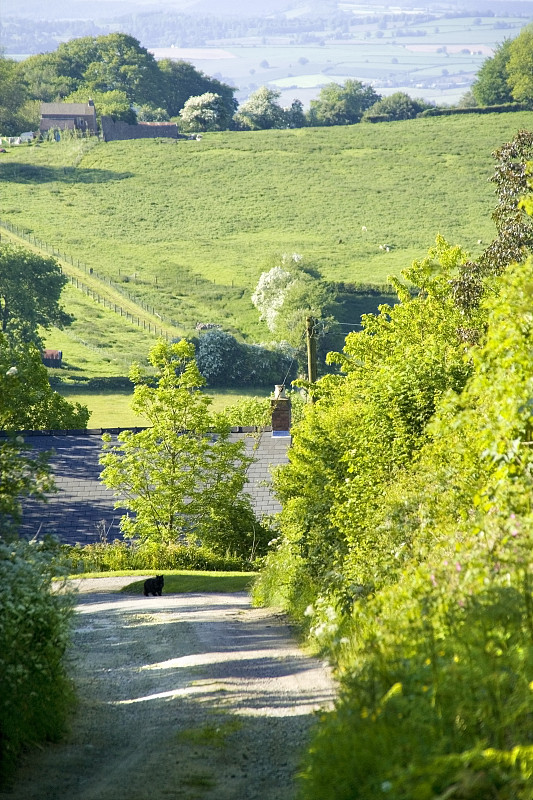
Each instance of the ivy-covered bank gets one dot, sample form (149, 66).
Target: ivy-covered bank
(405, 540)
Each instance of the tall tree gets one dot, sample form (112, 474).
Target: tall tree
(491, 86)
(30, 289)
(123, 64)
(520, 66)
(342, 105)
(44, 79)
(261, 111)
(208, 112)
(182, 477)
(15, 114)
(182, 80)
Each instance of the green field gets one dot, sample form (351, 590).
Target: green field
(189, 226)
(113, 409)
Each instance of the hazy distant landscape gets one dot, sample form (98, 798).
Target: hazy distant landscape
(423, 49)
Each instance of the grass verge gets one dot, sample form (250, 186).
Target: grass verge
(182, 581)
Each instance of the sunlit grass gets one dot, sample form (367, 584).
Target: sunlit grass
(113, 409)
(191, 225)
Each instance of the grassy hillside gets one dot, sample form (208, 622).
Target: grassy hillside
(188, 226)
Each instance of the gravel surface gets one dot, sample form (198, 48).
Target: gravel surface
(189, 696)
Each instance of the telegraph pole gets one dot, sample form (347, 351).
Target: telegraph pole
(311, 350)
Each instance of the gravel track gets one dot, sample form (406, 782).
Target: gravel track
(189, 696)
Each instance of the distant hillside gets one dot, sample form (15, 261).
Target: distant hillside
(189, 226)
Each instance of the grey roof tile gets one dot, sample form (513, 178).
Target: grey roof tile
(83, 505)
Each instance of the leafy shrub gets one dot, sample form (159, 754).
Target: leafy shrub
(35, 692)
(119, 555)
(223, 361)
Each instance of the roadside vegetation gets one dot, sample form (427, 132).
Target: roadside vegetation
(404, 543)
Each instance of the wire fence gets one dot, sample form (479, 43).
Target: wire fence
(50, 249)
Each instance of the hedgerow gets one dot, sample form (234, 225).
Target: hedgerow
(36, 694)
(406, 534)
(119, 555)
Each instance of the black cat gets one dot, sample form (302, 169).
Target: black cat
(154, 586)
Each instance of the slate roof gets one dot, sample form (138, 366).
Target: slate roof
(76, 512)
(74, 109)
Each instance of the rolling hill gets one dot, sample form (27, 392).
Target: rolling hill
(189, 226)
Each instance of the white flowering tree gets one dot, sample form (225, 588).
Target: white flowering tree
(262, 111)
(270, 294)
(205, 112)
(287, 294)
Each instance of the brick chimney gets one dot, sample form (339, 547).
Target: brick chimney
(281, 412)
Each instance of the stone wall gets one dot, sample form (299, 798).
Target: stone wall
(114, 131)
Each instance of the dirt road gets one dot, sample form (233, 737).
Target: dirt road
(190, 696)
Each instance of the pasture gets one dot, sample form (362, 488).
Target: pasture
(189, 226)
(112, 409)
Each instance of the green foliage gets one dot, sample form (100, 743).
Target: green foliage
(30, 288)
(182, 477)
(35, 693)
(15, 113)
(395, 107)
(116, 62)
(520, 64)
(207, 112)
(261, 111)
(491, 86)
(112, 103)
(182, 80)
(342, 104)
(27, 401)
(114, 68)
(418, 465)
(149, 555)
(514, 237)
(365, 428)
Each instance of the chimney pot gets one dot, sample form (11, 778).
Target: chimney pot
(281, 411)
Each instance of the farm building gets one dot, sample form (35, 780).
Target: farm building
(68, 116)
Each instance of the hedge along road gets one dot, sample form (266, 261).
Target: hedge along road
(189, 696)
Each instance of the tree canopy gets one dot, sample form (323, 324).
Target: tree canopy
(183, 477)
(491, 86)
(117, 63)
(182, 80)
(520, 66)
(30, 290)
(342, 104)
(17, 113)
(261, 111)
